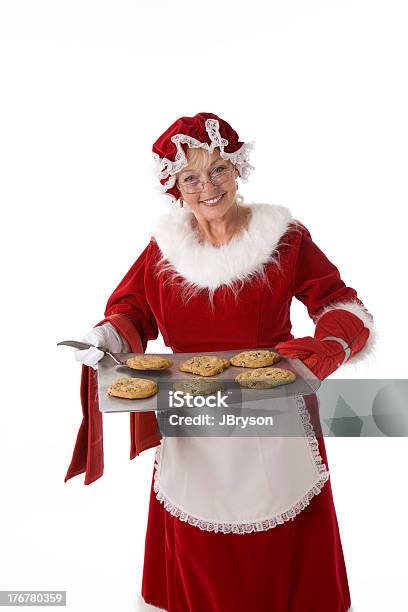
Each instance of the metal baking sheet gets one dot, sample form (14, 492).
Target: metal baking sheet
(305, 383)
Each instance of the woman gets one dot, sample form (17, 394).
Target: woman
(219, 275)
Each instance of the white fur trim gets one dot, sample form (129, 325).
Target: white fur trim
(205, 266)
(142, 606)
(366, 317)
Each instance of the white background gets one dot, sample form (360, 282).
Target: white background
(86, 89)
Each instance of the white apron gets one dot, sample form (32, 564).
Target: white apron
(242, 484)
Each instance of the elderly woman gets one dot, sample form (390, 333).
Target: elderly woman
(248, 526)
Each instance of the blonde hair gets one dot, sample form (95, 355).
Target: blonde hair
(200, 158)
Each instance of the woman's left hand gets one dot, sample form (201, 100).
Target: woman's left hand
(322, 357)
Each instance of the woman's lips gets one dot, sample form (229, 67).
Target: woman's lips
(213, 201)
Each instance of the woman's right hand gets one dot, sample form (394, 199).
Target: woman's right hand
(105, 336)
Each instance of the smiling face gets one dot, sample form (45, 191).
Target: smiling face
(214, 200)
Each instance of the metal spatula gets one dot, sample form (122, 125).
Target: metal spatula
(85, 345)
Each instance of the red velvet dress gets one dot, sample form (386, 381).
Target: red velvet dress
(295, 567)
(204, 298)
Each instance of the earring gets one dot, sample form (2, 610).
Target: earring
(181, 203)
(236, 184)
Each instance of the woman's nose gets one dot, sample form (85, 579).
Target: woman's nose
(209, 191)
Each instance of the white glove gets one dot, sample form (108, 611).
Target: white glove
(105, 336)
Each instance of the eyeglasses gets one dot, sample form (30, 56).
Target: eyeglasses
(192, 183)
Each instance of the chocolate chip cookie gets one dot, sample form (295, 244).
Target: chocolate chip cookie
(205, 365)
(255, 359)
(132, 388)
(148, 362)
(265, 378)
(198, 386)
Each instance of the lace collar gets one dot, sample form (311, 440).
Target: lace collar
(208, 266)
